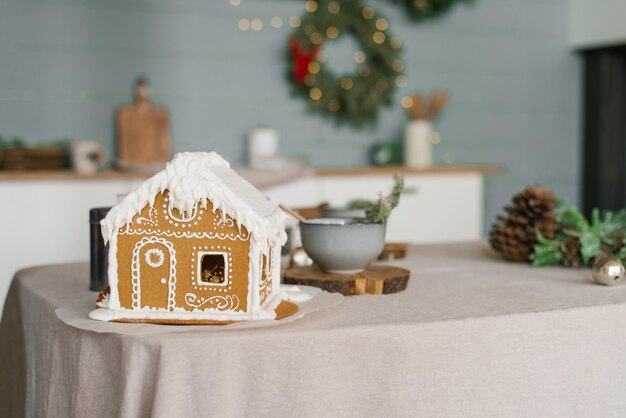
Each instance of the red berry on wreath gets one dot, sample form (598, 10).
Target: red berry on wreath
(301, 59)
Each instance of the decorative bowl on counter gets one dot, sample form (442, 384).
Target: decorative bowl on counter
(339, 246)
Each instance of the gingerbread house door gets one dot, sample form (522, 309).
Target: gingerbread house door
(154, 274)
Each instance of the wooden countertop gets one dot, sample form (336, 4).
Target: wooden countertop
(61, 175)
(322, 172)
(390, 170)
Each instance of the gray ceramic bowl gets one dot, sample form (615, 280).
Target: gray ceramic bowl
(338, 246)
(342, 212)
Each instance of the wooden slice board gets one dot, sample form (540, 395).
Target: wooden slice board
(143, 135)
(375, 280)
(394, 251)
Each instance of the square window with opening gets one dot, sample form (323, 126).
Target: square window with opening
(213, 269)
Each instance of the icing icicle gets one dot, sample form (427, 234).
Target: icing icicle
(193, 177)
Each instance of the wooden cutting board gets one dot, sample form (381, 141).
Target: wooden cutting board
(375, 280)
(143, 133)
(394, 251)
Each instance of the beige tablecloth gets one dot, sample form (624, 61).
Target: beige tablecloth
(472, 336)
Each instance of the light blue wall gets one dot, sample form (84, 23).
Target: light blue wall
(66, 64)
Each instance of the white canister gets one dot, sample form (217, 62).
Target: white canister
(87, 156)
(418, 148)
(262, 144)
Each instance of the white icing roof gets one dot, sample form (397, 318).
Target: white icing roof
(193, 177)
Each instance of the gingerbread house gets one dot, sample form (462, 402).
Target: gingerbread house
(196, 243)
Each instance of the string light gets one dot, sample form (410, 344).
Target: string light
(276, 22)
(378, 37)
(333, 105)
(381, 85)
(315, 93)
(234, 2)
(359, 57)
(364, 70)
(310, 6)
(294, 21)
(314, 67)
(395, 43)
(332, 32)
(333, 7)
(316, 38)
(368, 12)
(397, 65)
(401, 81)
(435, 138)
(244, 24)
(256, 24)
(346, 83)
(381, 23)
(407, 102)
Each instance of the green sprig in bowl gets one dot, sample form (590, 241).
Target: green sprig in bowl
(349, 245)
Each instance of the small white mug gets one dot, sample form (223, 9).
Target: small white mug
(262, 144)
(87, 156)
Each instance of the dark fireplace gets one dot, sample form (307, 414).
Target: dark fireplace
(604, 141)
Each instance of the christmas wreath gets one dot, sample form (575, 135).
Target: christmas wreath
(422, 9)
(355, 97)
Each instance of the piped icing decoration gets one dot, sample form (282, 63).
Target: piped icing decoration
(193, 178)
(184, 191)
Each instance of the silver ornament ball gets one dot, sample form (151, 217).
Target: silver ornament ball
(608, 271)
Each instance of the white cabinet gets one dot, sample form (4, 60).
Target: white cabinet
(46, 222)
(299, 193)
(434, 207)
(597, 23)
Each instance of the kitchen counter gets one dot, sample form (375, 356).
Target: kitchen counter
(265, 178)
(399, 169)
(262, 179)
(68, 175)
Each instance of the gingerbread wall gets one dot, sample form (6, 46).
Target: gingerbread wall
(265, 285)
(159, 253)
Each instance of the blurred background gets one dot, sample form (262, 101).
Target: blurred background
(513, 71)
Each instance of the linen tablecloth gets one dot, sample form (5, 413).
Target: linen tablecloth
(472, 336)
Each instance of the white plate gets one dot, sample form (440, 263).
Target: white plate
(75, 315)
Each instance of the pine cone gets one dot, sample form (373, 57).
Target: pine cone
(513, 235)
(616, 247)
(571, 250)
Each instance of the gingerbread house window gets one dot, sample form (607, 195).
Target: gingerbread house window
(213, 269)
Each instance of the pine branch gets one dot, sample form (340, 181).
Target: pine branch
(606, 232)
(359, 204)
(378, 211)
(547, 252)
